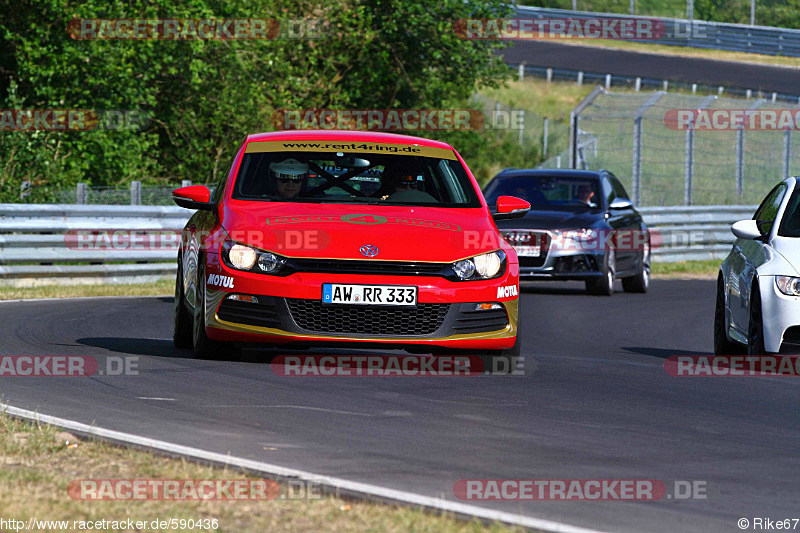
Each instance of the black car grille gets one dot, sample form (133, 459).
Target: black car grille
(395, 268)
(479, 321)
(311, 315)
(262, 314)
(530, 238)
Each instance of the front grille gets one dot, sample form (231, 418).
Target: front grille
(395, 268)
(472, 321)
(311, 315)
(530, 238)
(262, 314)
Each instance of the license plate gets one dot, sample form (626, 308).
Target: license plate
(337, 293)
(528, 251)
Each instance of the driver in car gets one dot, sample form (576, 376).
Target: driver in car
(398, 181)
(585, 195)
(290, 177)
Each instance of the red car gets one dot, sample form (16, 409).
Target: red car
(346, 239)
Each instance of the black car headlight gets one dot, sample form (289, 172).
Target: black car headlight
(246, 258)
(484, 266)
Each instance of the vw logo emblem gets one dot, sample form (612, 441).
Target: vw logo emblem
(369, 250)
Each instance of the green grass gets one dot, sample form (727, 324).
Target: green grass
(686, 269)
(166, 286)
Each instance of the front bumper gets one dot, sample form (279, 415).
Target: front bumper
(558, 259)
(289, 310)
(780, 315)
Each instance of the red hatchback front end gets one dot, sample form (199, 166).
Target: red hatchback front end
(320, 237)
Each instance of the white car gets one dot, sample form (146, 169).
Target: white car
(758, 288)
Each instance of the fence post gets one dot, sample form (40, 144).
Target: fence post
(787, 152)
(186, 183)
(689, 153)
(546, 127)
(136, 192)
(740, 153)
(82, 194)
(580, 78)
(521, 71)
(636, 173)
(608, 81)
(521, 124)
(549, 75)
(574, 120)
(638, 84)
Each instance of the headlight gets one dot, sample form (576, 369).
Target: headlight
(242, 257)
(269, 262)
(578, 234)
(788, 285)
(484, 266)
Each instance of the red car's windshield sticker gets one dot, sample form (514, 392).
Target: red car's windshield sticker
(361, 218)
(378, 148)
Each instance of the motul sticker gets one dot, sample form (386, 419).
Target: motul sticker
(508, 290)
(220, 281)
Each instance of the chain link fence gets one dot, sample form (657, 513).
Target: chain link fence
(635, 136)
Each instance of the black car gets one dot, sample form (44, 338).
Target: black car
(582, 226)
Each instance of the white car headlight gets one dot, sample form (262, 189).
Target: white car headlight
(242, 257)
(579, 234)
(482, 266)
(488, 265)
(788, 285)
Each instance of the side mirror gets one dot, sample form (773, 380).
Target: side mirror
(510, 207)
(193, 197)
(620, 203)
(746, 229)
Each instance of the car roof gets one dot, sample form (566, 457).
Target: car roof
(345, 135)
(551, 172)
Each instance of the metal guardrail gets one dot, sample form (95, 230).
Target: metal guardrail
(52, 244)
(697, 33)
(41, 244)
(692, 233)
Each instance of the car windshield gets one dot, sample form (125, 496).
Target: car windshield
(547, 191)
(355, 177)
(790, 226)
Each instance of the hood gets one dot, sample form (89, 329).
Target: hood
(338, 231)
(554, 219)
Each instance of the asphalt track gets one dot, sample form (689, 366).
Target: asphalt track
(767, 78)
(594, 403)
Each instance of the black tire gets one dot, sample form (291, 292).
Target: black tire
(723, 345)
(640, 282)
(204, 347)
(755, 326)
(182, 319)
(604, 285)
